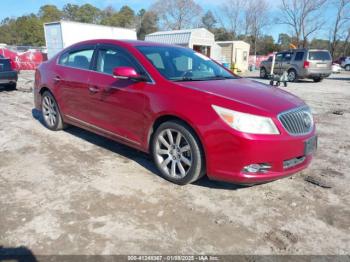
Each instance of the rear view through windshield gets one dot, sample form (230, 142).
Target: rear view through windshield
(319, 55)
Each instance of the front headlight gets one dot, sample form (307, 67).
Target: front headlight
(247, 123)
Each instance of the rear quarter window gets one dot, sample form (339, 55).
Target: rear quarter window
(299, 56)
(77, 59)
(319, 55)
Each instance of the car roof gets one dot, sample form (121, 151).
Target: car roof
(303, 50)
(130, 43)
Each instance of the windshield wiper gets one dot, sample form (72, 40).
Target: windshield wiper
(184, 79)
(217, 77)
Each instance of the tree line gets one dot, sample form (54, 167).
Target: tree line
(248, 20)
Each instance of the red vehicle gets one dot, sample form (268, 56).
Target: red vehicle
(194, 116)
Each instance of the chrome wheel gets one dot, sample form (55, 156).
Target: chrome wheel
(50, 112)
(262, 73)
(173, 153)
(292, 76)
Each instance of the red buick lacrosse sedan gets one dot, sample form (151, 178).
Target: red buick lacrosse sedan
(195, 117)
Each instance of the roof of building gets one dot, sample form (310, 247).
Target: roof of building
(232, 42)
(177, 36)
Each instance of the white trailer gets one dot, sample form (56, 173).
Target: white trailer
(59, 35)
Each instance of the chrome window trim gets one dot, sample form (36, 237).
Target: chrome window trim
(90, 70)
(306, 108)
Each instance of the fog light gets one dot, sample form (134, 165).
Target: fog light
(257, 168)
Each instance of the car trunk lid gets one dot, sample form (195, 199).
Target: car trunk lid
(319, 61)
(5, 65)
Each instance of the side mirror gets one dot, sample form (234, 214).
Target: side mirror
(125, 72)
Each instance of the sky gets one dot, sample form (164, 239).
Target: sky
(15, 8)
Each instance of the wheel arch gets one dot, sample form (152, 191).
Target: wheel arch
(44, 89)
(168, 117)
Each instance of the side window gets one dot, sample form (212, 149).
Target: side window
(299, 56)
(77, 59)
(279, 57)
(108, 59)
(287, 57)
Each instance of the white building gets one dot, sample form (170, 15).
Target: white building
(59, 35)
(235, 52)
(199, 39)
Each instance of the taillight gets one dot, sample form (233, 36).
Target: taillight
(13, 64)
(306, 64)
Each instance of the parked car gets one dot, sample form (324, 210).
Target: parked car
(346, 63)
(336, 68)
(8, 74)
(300, 63)
(194, 116)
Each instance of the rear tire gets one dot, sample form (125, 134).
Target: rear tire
(177, 153)
(51, 113)
(11, 86)
(347, 67)
(292, 75)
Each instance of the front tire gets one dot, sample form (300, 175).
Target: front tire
(177, 153)
(51, 113)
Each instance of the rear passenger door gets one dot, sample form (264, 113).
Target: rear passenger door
(71, 82)
(286, 61)
(278, 63)
(298, 62)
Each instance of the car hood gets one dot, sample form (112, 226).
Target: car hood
(252, 93)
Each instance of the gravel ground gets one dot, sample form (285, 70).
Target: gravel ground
(73, 192)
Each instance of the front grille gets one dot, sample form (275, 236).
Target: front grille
(298, 121)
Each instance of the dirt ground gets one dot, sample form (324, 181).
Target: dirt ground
(73, 192)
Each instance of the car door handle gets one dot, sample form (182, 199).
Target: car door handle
(56, 79)
(93, 89)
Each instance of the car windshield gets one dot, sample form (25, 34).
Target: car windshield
(183, 64)
(319, 55)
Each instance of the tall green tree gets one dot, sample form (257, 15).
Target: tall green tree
(126, 17)
(70, 12)
(88, 14)
(109, 16)
(7, 33)
(29, 30)
(49, 13)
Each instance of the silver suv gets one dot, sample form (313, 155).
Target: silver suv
(346, 63)
(300, 63)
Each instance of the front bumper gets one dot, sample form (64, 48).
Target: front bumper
(228, 156)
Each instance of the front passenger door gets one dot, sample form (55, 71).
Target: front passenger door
(117, 105)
